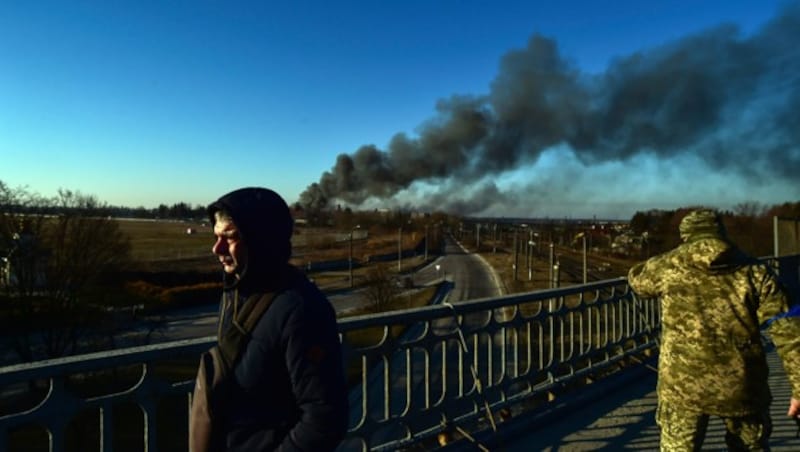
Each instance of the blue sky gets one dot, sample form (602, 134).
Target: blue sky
(150, 102)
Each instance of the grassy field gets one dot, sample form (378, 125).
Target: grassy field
(176, 241)
(167, 240)
(174, 265)
(173, 246)
(168, 246)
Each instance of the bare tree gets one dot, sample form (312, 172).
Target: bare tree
(752, 209)
(380, 288)
(58, 254)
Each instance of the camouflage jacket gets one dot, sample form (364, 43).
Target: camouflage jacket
(713, 300)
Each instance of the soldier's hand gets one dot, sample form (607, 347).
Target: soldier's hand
(794, 408)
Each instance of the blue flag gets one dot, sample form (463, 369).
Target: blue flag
(794, 311)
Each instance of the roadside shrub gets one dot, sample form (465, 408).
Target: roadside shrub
(159, 298)
(192, 295)
(144, 289)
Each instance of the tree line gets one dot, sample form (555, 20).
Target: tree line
(749, 225)
(22, 201)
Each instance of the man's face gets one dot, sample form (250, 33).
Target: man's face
(229, 248)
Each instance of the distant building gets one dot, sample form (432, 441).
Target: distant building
(627, 244)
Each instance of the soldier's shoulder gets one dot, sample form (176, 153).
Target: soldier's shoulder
(670, 257)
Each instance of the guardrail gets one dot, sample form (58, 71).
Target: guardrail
(417, 374)
(426, 370)
(467, 366)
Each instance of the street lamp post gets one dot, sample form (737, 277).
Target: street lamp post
(399, 249)
(350, 259)
(516, 254)
(556, 275)
(530, 255)
(494, 239)
(585, 263)
(426, 243)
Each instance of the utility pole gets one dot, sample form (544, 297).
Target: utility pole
(516, 253)
(494, 240)
(585, 269)
(350, 260)
(426, 243)
(529, 253)
(399, 249)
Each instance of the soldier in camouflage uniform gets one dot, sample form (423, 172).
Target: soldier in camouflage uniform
(714, 300)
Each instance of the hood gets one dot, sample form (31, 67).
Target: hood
(706, 245)
(701, 223)
(265, 226)
(713, 255)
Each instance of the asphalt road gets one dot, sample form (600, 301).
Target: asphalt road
(469, 277)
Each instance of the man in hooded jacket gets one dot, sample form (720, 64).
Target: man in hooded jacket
(288, 391)
(714, 301)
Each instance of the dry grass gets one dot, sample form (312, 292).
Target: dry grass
(162, 240)
(162, 246)
(166, 240)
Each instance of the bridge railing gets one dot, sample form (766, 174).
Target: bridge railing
(445, 368)
(43, 404)
(416, 374)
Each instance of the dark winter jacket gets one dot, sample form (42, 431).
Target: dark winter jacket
(289, 391)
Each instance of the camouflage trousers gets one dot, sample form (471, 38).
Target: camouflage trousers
(684, 430)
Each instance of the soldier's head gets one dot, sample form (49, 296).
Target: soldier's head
(702, 223)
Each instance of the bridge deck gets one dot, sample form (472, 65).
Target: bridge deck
(624, 418)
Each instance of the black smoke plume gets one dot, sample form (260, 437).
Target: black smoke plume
(732, 101)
